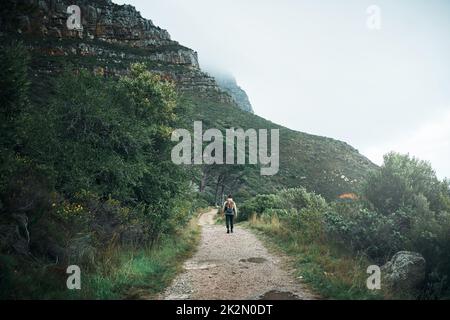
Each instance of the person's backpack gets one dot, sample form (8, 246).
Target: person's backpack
(229, 208)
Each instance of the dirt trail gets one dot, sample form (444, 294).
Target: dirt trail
(234, 266)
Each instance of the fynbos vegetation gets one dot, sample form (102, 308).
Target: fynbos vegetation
(84, 175)
(403, 207)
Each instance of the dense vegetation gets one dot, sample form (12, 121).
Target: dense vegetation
(86, 179)
(403, 207)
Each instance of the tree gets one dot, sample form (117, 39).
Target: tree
(14, 86)
(111, 138)
(399, 180)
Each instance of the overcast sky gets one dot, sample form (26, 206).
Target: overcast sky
(315, 66)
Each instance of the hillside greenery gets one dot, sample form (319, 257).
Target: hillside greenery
(86, 179)
(323, 165)
(403, 206)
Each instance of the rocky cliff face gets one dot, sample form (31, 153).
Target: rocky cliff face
(110, 38)
(100, 19)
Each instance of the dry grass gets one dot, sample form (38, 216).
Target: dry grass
(328, 268)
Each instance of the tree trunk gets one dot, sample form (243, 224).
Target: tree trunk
(203, 180)
(219, 183)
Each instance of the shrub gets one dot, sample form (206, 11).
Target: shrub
(14, 86)
(400, 179)
(364, 230)
(258, 205)
(300, 198)
(299, 210)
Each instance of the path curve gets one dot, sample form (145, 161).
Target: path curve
(234, 266)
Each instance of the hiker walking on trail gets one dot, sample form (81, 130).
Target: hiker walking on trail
(230, 210)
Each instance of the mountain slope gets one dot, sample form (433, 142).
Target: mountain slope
(324, 165)
(114, 36)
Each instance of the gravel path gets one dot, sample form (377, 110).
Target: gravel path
(234, 266)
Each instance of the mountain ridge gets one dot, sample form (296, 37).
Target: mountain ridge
(114, 36)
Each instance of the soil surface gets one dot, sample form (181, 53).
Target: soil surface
(234, 266)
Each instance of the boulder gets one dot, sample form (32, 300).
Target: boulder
(405, 272)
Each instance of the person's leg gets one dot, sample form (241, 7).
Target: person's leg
(231, 223)
(227, 221)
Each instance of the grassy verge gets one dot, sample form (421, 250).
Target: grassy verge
(142, 273)
(116, 273)
(330, 271)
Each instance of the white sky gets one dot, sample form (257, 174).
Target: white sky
(314, 66)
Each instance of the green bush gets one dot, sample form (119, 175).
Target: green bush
(300, 198)
(111, 138)
(364, 230)
(258, 205)
(400, 179)
(14, 89)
